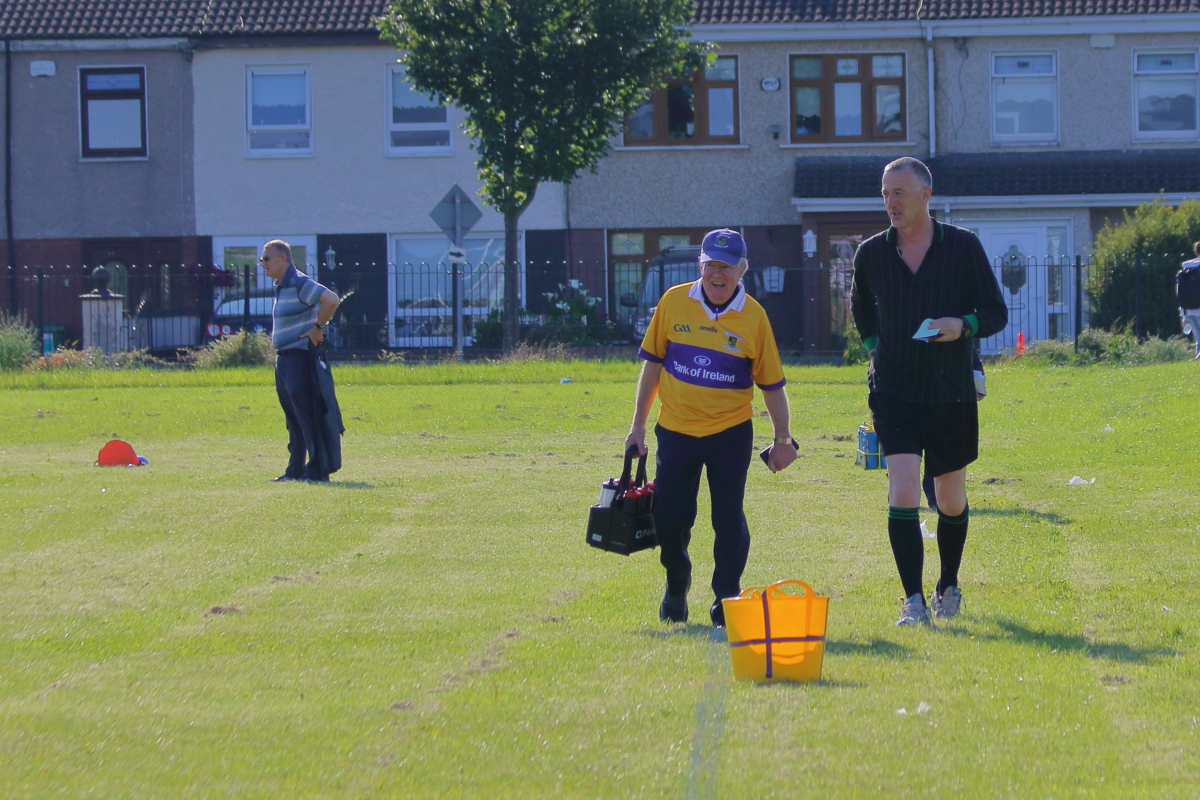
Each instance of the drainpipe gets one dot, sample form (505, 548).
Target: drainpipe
(929, 66)
(8, 213)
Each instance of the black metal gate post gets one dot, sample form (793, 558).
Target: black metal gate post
(246, 299)
(1079, 298)
(1137, 296)
(41, 305)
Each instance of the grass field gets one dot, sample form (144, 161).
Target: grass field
(432, 624)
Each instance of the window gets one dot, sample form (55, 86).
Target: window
(1165, 95)
(696, 110)
(112, 112)
(278, 106)
(1024, 97)
(848, 98)
(417, 124)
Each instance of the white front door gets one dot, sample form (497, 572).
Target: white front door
(1030, 263)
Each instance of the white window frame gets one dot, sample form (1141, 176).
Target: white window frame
(307, 241)
(1052, 78)
(1159, 136)
(145, 111)
(389, 126)
(394, 313)
(275, 152)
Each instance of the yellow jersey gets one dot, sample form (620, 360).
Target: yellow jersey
(711, 362)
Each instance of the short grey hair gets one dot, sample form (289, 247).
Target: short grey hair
(280, 247)
(916, 165)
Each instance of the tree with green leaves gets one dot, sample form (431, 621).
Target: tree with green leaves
(1135, 261)
(544, 84)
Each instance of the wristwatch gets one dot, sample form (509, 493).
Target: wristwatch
(782, 440)
(966, 329)
(320, 327)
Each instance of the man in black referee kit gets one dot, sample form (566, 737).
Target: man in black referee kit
(922, 391)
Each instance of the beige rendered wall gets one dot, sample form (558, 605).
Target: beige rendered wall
(751, 184)
(1095, 91)
(348, 185)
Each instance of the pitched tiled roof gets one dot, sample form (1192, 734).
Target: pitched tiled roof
(79, 19)
(798, 11)
(1013, 174)
(140, 18)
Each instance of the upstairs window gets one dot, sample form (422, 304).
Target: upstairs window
(1165, 94)
(418, 124)
(1025, 97)
(112, 112)
(696, 110)
(848, 98)
(278, 111)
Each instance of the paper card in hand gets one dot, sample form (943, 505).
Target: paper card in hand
(925, 332)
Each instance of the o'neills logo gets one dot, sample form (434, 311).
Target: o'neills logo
(703, 373)
(644, 534)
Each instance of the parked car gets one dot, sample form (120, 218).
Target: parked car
(671, 267)
(229, 315)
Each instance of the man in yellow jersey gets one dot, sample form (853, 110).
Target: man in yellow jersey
(708, 344)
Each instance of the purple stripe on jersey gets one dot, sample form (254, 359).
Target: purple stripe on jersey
(700, 366)
(646, 355)
(770, 387)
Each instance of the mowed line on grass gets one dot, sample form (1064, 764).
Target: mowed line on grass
(437, 627)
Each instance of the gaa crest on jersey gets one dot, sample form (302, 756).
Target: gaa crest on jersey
(733, 342)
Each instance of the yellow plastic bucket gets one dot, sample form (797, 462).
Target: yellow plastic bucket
(777, 632)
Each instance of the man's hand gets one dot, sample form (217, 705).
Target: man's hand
(781, 456)
(315, 335)
(951, 328)
(637, 437)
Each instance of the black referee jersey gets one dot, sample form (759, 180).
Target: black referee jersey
(890, 302)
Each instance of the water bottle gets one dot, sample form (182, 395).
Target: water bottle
(608, 492)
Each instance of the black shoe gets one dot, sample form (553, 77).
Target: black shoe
(674, 607)
(716, 613)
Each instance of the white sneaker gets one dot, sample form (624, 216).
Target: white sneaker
(946, 604)
(914, 612)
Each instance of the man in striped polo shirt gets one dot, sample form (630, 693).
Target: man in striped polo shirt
(708, 345)
(302, 309)
(922, 391)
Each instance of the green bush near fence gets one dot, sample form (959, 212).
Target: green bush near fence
(18, 341)
(1154, 241)
(1119, 346)
(242, 349)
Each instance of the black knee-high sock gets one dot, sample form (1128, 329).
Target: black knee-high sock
(904, 531)
(951, 538)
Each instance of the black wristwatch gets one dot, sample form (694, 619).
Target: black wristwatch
(966, 328)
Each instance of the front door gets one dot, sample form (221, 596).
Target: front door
(1030, 263)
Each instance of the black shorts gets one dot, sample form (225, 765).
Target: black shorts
(947, 434)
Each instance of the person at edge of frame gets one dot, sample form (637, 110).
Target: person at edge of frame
(1190, 317)
(921, 392)
(301, 311)
(980, 393)
(708, 344)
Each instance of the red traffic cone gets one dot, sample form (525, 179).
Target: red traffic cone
(1020, 343)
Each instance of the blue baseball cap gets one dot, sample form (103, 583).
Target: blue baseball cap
(723, 245)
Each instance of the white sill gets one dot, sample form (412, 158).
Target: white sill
(1025, 143)
(684, 147)
(1144, 139)
(887, 143)
(279, 153)
(437, 154)
(95, 159)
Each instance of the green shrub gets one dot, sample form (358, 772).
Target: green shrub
(855, 352)
(1119, 346)
(1153, 241)
(18, 341)
(242, 349)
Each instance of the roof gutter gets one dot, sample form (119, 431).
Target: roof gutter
(1080, 25)
(97, 45)
(819, 205)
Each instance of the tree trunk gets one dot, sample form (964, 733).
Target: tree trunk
(512, 276)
